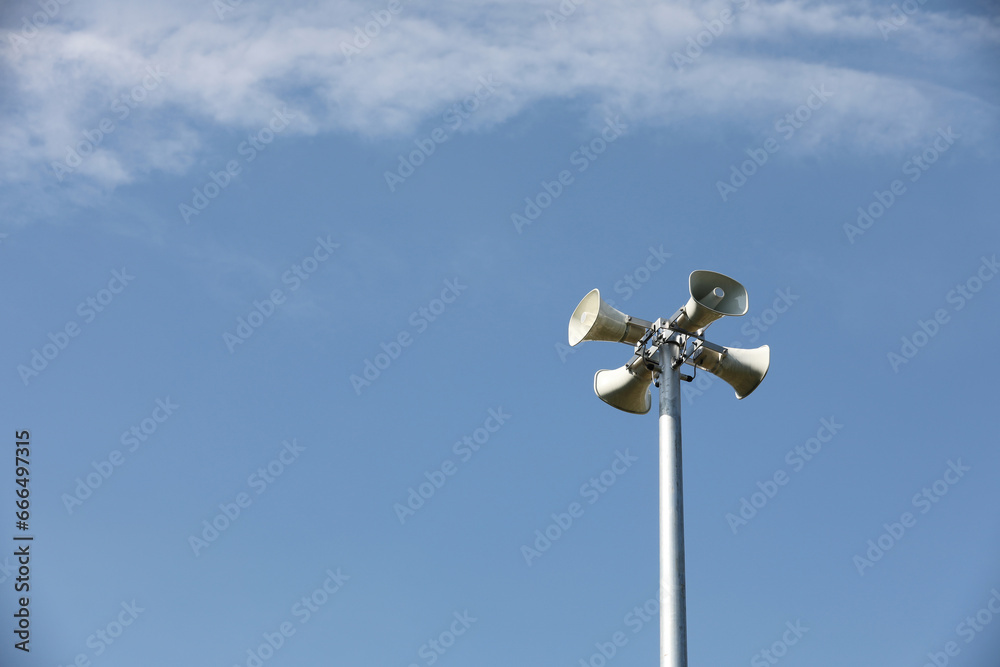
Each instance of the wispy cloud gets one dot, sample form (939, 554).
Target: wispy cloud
(232, 72)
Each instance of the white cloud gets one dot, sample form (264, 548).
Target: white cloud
(233, 73)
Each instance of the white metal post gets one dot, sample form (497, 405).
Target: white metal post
(673, 614)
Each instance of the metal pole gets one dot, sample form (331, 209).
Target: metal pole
(673, 614)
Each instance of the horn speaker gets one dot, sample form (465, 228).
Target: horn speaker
(742, 369)
(626, 388)
(712, 296)
(594, 319)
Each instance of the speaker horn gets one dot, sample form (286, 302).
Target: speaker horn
(594, 319)
(626, 388)
(712, 296)
(742, 369)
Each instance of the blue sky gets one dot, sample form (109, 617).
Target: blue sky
(275, 279)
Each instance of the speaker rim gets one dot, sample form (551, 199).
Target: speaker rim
(766, 371)
(721, 313)
(574, 320)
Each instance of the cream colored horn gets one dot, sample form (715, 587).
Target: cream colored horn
(594, 319)
(712, 296)
(742, 369)
(626, 388)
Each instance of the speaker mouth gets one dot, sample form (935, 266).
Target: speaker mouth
(734, 300)
(767, 367)
(584, 317)
(595, 319)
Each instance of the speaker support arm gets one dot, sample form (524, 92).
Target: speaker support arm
(672, 322)
(699, 348)
(642, 323)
